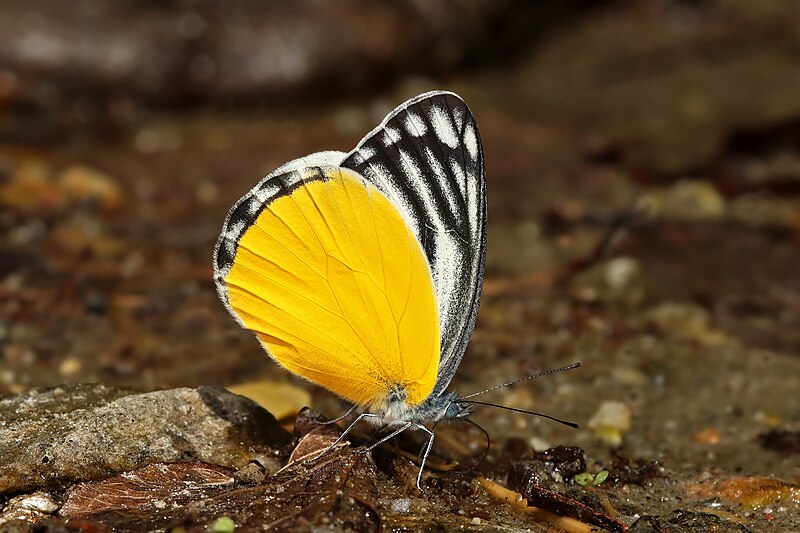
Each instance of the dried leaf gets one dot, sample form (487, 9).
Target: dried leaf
(155, 486)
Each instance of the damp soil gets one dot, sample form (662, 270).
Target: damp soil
(644, 220)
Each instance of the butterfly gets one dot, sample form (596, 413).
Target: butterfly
(362, 271)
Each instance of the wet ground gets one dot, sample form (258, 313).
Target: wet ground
(643, 169)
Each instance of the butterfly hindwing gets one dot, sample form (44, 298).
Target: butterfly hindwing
(324, 269)
(426, 157)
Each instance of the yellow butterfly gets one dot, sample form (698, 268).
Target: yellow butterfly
(362, 271)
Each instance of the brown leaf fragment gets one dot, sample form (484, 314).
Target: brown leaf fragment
(337, 491)
(315, 435)
(156, 486)
(312, 445)
(561, 505)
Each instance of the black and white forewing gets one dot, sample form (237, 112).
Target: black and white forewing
(426, 156)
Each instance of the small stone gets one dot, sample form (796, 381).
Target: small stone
(687, 521)
(780, 440)
(69, 367)
(688, 322)
(28, 508)
(400, 505)
(83, 184)
(628, 376)
(610, 422)
(691, 200)
(29, 187)
(708, 436)
(538, 444)
(555, 465)
(621, 272)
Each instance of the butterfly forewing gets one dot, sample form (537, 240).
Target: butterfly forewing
(427, 158)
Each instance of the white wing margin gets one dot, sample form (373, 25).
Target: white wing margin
(426, 156)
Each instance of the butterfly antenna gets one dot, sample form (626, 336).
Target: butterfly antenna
(488, 441)
(520, 380)
(573, 425)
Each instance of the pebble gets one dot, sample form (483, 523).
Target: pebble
(708, 436)
(610, 422)
(621, 272)
(69, 367)
(400, 505)
(28, 508)
(81, 184)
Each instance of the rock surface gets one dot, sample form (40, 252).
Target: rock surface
(51, 438)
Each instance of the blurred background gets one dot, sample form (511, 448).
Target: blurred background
(643, 165)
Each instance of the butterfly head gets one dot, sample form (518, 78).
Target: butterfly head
(456, 409)
(396, 410)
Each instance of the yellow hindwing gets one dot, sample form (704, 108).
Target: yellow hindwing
(337, 288)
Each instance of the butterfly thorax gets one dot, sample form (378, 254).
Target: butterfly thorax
(396, 411)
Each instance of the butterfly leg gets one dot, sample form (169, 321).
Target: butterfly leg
(425, 454)
(343, 435)
(390, 436)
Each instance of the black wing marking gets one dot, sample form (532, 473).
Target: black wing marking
(426, 156)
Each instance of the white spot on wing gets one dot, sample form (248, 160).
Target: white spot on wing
(232, 236)
(415, 125)
(230, 247)
(254, 206)
(471, 141)
(443, 127)
(390, 136)
(367, 151)
(458, 115)
(266, 193)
